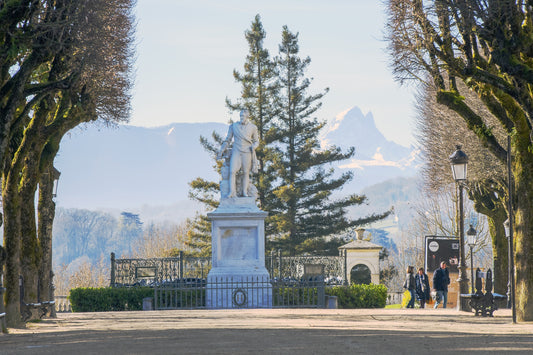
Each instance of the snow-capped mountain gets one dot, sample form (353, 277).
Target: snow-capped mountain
(376, 159)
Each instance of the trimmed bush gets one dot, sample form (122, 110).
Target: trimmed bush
(359, 296)
(108, 299)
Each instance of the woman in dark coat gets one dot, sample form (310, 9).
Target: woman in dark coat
(422, 287)
(410, 286)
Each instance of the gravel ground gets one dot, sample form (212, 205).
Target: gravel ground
(276, 331)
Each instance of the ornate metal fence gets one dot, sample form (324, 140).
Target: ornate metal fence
(180, 282)
(309, 293)
(156, 271)
(287, 268)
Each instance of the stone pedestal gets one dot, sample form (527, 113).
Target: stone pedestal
(238, 278)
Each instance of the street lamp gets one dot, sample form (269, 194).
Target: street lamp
(55, 176)
(510, 284)
(459, 162)
(471, 241)
(508, 225)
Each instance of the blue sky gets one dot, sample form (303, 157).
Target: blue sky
(188, 49)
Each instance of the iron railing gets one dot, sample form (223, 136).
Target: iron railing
(241, 292)
(156, 271)
(294, 267)
(152, 271)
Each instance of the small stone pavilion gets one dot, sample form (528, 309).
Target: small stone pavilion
(363, 255)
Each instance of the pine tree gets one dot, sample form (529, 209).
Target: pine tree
(302, 207)
(258, 90)
(198, 240)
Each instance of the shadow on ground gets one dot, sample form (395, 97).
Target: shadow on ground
(275, 341)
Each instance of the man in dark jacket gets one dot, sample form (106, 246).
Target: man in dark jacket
(441, 280)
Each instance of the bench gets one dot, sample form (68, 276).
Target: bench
(2, 322)
(43, 309)
(484, 304)
(27, 310)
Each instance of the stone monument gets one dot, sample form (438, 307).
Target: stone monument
(238, 278)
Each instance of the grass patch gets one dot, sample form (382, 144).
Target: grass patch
(393, 306)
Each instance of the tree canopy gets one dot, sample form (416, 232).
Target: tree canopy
(483, 47)
(61, 63)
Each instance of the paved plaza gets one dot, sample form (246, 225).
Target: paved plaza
(277, 331)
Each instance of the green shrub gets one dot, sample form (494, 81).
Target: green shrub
(359, 296)
(108, 299)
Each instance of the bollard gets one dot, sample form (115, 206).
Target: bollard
(331, 302)
(148, 304)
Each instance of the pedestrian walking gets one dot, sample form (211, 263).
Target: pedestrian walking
(422, 287)
(441, 280)
(409, 284)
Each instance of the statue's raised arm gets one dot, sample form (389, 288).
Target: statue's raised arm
(227, 141)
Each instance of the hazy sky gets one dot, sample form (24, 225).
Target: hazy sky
(188, 49)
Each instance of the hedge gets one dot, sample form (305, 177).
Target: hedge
(359, 296)
(108, 299)
(131, 299)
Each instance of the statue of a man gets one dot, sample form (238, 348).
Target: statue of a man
(245, 140)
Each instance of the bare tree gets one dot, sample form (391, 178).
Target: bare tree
(439, 130)
(160, 241)
(84, 59)
(487, 46)
(435, 215)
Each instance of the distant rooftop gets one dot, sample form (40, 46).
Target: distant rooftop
(360, 244)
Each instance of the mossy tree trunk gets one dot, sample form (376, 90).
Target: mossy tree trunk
(30, 248)
(46, 213)
(12, 242)
(500, 253)
(486, 203)
(523, 228)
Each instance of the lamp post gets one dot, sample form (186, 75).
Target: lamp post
(508, 226)
(510, 284)
(459, 162)
(471, 241)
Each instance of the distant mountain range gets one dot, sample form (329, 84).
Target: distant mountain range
(376, 159)
(147, 170)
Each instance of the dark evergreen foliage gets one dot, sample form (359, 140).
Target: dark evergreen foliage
(302, 206)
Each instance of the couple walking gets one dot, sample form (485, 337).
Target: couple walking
(418, 286)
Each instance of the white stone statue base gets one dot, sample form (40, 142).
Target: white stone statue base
(232, 290)
(238, 278)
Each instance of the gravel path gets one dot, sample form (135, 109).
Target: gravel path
(277, 331)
